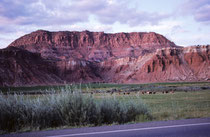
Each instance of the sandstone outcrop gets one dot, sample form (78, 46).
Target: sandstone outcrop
(46, 58)
(22, 68)
(164, 65)
(92, 46)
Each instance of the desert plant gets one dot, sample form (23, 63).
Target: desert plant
(19, 112)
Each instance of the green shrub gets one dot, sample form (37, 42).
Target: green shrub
(19, 112)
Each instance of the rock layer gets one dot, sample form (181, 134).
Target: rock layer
(92, 46)
(164, 65)
(21, 68)
(44, 58)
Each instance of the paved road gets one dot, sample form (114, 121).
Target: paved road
(176, 128)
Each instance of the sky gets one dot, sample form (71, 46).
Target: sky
(185, 22)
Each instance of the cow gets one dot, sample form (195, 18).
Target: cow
(149, 92)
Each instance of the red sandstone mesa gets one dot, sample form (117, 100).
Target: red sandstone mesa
(44, 57)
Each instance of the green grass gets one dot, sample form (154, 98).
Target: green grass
(180, 105)
(99, 86)
(57, 106)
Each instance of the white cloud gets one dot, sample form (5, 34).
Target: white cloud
(46, 12)
(199, 9)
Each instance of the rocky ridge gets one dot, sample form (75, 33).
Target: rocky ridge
(91, 46)
(165, 65)
(44, 57)
(21, 68)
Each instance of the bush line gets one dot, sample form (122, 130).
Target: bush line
(19, 112)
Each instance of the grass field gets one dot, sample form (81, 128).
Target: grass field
(171, 106)
(179, 105)
(188, 100)
(180, 86)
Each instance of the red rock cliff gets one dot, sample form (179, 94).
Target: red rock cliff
(95, 46)
(44, 57)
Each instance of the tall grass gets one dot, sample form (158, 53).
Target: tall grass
(19, 112)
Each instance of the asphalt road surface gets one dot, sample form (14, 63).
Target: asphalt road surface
(175, 128)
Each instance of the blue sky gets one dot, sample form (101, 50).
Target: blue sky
(185, 22)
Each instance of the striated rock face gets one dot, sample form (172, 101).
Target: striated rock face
(44, 57)
(198, 59)
(78, 71)
(92, 46)
(172, 64)
(19, 67)
(164, 65)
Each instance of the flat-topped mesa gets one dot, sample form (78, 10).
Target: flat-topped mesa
(92, 46)
(44, 57)
(75, 39)
(20, 67)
